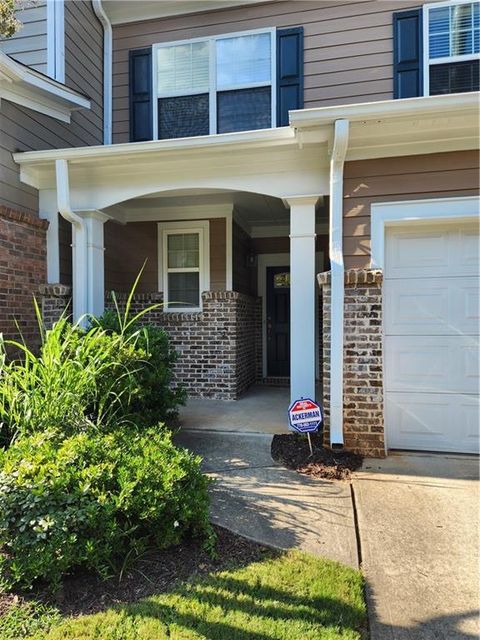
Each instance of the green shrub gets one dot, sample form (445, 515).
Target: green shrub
(78, 378)
(156, 399)
(89, 499)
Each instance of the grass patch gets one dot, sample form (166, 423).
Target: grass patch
(290, 596)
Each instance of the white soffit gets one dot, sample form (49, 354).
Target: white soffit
(121, 11)
(29, 88)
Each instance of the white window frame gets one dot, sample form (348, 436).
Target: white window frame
(426, 42)
(56, 40)
(212, 91)
(165, 229)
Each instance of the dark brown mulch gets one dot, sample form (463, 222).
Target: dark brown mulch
(154, 572)
(292, 451)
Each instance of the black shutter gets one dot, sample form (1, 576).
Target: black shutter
(407, 54)
(140, 94)
(289, 72)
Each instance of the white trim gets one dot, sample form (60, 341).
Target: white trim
(202, 227)
(56, 40)
(107, 70)
(29, 88)
(213, 90)
(426, 42)
(418, 211)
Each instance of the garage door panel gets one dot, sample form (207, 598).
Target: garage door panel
(431, 321)
(433, 422)
(432, 364)
(432, 251)
(432, 306)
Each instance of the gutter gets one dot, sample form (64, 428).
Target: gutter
(107, 70)
(385, 109)
(79, 242)
(337, 162)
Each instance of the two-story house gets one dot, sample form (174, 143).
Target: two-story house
(300, 179)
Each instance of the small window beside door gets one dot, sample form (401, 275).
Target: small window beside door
(183, 265)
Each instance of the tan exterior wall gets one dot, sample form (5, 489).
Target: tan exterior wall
(348, 46)
(128, 246)
(25, 130)
(406, 178)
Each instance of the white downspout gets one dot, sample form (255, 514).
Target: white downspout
(337, 161)
(79, 241)
(107, 70)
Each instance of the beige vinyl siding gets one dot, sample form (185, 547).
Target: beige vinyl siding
(348, 46)
(25, 130)
(438, 175)
(218, 254)
(29, 44)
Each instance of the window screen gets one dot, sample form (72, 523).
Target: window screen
(244, 110)
(243, 60)
(454, 77)
(183, 116)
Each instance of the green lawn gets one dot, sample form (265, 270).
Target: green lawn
(292, 596)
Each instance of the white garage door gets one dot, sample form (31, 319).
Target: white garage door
(431, 325)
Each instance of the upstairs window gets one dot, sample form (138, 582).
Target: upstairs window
(451, 47)
(215, 85)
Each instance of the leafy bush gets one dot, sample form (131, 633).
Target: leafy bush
(78, 378)
(90, 498)
(156, 399)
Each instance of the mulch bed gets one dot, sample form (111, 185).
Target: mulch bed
(292, 451)
(154, 572)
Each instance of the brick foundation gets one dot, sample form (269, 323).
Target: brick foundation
(363, 422)
(216, 347)
(23, 268)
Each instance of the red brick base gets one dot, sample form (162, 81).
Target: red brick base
(363, 425)
(23, 269)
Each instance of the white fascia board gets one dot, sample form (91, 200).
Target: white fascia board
(422, 106)
(258, 138)
(29, 88)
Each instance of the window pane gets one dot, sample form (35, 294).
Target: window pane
(440, 20)
(243, 60)
(183, 251)
(461, 17)
(183, 290)
(455, 77)
(183, 117)
(439, 45)
(183, 68)
(244, 110)
(461, 43)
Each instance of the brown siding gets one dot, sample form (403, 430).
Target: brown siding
(25, 130)
(406, 178)
(243, 275)
(218, 254)
(128, 246)
(348, 46)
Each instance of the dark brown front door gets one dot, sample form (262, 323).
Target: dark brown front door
(278, 321)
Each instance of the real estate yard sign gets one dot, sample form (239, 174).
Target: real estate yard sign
(305, 416)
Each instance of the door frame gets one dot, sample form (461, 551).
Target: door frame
(265, 260)
(412, 212)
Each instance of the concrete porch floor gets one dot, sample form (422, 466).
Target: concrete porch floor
(262, 409)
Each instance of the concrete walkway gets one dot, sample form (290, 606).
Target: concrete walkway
(267, 503)
(418, 517)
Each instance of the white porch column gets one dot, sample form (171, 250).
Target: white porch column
(48, 211)
(94, 221)
(302, 296)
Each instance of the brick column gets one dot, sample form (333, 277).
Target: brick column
(363, 418)
(56, 299)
